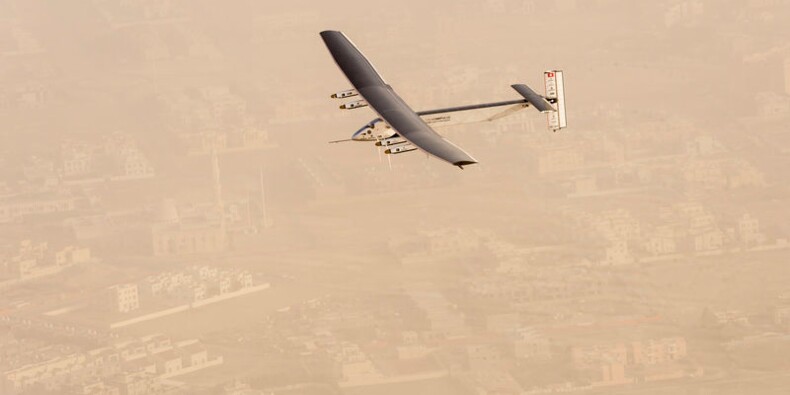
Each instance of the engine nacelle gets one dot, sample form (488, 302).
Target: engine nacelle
(402, 148)
(390, 141)
(354, 105)
(345, 94)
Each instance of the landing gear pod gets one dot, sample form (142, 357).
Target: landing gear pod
(390, 141)
(400, 149)
(354, 105)
(345, 94)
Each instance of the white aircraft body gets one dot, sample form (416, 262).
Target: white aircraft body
(400, 129)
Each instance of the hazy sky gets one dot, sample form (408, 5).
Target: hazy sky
(663, 202)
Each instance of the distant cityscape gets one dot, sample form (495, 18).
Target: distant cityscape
(172, 220)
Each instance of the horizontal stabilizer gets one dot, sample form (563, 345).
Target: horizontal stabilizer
(533, 98)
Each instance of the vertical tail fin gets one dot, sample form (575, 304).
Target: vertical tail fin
(555, 93)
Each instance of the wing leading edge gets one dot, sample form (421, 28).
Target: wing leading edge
(387, 104)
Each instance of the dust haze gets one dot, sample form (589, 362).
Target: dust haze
(173, 221)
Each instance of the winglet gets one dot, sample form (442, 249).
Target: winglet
(463, 163)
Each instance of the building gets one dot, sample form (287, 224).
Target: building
(188, 238)
(696, 215)
(135, 165)
(21, 260)
(749, 231)
(708, 240)
(617, 253)
(94, 387)
(139, 383)
(743, 174)
(686, 13)
(782, 317)
(773, 105)
(442, 316)
(72, 255)
(196, 284)
(34, 259)
(124, 298)
(617, 225)
(657, 351)
(169, 363)
(16, 208)
(483, 357)
(77, 160)
(704, 145)
(707, 174)
(731, 317)
(240, 388)
(636, 361)
(589, 356)
(601, 364)
(491, 382)
(194, 355)
(132, 367)
(355, 366)
(531, 345)
(661, 241)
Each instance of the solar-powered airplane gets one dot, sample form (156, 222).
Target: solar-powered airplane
(400, 129)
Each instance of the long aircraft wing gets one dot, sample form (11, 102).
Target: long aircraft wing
(387, 104)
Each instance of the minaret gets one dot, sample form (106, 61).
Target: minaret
(787, 74)
(264, 214)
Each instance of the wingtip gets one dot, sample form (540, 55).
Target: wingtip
(329, 33)
(463, 163)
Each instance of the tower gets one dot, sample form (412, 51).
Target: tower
(264, 215)
(219, 206)
(787, 74)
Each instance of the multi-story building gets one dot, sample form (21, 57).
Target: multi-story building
(707, 174)
(197, 283)
(708, 240)
(749, 231)
(531, 345)
(78, 160)
(32, 259)
(188, 238)
(587, 356)
(685, 13)
(617, 225)
(617, 253)
(124, 298)
(72, 255)
(661, 241)
(637, 361)
(656, 351)
(355, 366)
